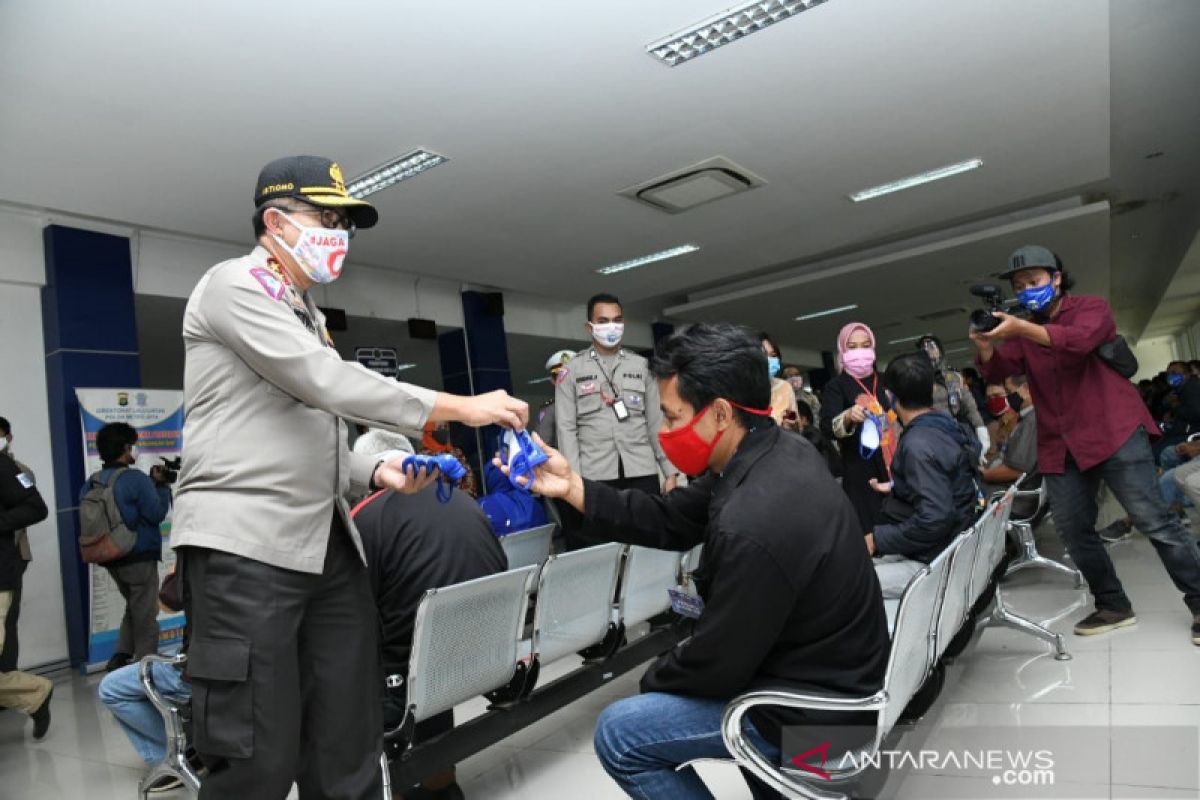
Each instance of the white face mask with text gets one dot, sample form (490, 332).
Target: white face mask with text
(608, 333)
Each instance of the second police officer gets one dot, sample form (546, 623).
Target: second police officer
(607, 415)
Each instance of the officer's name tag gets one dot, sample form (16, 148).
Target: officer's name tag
(25, 480)
(620, 410)
(686, 604)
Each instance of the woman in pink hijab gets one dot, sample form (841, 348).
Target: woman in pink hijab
(851, 401)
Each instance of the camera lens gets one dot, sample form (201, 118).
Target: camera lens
(983, 321)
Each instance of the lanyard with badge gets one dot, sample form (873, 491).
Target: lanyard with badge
(617, 404)
(877, 433)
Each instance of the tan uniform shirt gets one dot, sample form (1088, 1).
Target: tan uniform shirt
(265, 460)
(590, 436)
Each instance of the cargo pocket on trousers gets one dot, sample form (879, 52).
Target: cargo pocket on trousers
(222, 697)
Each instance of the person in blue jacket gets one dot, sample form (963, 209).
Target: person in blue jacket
(508, 508)
(144, 502)
(933, 492)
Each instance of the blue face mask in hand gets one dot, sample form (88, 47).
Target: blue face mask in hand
(772, 366)
(1037, 298)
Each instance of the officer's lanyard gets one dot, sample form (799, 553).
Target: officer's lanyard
(599, 363)
(322, 333)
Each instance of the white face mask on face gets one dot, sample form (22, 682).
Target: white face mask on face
(608, 333)
(319, 252)
(3, 444)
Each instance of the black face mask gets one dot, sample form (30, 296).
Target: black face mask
(441, 435)
(1015, 401)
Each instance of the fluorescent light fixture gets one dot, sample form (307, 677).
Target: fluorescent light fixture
(957, 350)
(543, 379)
(827, 312)
(917, 180)
(398, 169)
(721, 29)
(906, 339)
(402, 367)
(642, 261)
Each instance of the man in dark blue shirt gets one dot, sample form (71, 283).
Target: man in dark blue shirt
(144, 502)
(933, 491)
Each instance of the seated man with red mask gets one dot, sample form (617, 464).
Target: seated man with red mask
(785, 600)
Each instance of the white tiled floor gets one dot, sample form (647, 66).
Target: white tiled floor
(1146, 675)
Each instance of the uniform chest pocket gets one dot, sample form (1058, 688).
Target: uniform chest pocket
(588, 399)
(633, 392)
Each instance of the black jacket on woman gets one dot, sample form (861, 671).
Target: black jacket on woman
(840, 393)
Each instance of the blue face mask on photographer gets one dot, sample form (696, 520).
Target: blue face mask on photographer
(1037, 298)
(1175, 379)
(772, 366)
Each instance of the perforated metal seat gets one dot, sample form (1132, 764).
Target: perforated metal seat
(528, 548)
(465, 642)
(575, 601)
(649, 573)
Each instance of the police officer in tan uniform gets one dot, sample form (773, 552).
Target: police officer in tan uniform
(283, 649)
(607, 415)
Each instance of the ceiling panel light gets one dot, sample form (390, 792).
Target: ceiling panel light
(906, 339)
(917, 180)
(642, 261)
(543, 379)
(406, 166)
(728, 26)
(402, 367)
(826, 312)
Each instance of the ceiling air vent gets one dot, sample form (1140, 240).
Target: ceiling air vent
(693, 186)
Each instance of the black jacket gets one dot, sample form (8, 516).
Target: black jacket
(933, 492)
(20, 507)
(1188, 410)
(791, 599)
(414, 543)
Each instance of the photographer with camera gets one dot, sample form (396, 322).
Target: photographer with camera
(1092, 427)
(143, 502)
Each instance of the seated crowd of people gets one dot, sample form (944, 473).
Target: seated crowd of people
(710, 441)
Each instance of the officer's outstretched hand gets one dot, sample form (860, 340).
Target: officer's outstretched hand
(392, 475)
(494, 408)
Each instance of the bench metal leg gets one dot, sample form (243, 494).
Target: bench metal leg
(1030, 557)
(387, 776)
(1003, 616)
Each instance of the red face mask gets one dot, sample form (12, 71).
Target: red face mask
(687, 451)
(997, 404)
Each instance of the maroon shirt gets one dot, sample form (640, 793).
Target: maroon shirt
(1084, 407)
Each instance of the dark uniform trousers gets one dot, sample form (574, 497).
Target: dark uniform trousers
(286, 680)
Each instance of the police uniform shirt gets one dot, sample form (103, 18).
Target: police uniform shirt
(265, 457)
(598, 445)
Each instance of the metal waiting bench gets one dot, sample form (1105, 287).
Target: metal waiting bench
(528, 548)
(578, 605)
(932, 622)
(175, 763)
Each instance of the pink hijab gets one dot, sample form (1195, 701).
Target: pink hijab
(849, 330)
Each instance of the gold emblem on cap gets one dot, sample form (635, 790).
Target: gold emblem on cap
(339, 184)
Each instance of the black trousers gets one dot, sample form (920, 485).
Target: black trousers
(11, 652)
(573, 527)
(286, 682)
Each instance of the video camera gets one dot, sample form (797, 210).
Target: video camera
(169, 470)
(992, 295)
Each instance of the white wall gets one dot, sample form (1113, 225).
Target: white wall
(1153, 355)
(43, 630)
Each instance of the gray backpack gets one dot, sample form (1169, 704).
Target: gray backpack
(103, 534)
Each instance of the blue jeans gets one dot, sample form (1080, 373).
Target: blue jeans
(1170, 458)
(121, 690)
(1131, 475)
(1170, 490)
(642, 739)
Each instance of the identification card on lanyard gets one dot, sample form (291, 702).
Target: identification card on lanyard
(618, 404)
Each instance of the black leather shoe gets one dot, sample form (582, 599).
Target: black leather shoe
(41, 718)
